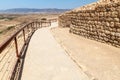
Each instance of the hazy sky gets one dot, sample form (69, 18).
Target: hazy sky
(7, 4)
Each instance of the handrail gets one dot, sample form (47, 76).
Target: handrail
(33, 26)
(5, 43)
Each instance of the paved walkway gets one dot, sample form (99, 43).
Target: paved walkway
(46, 60)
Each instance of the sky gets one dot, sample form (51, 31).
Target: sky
(61, 4)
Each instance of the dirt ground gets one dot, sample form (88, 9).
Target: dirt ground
(98, 60)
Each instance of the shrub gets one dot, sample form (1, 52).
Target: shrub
(44, 19)
(10, 27)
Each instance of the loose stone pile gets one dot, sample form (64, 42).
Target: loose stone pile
(97, 21)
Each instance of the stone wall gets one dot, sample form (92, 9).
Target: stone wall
(97, 21)
(108, 0)
(64, 20)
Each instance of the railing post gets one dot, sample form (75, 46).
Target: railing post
(46, 24)
(32, 26)
(24, 34)
(39, 24)
(36, 25)
(16, 46)
(50, 23)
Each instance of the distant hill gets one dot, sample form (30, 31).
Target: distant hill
(29, 10)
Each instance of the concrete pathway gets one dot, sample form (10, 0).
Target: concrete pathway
(46, 60)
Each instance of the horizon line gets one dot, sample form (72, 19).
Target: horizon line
(35, 8)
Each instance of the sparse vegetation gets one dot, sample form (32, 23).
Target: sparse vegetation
(10, 27)
(7, 29)
(1, 32)
(7, 17)
(1, 17)
(44, 19)
(10, 18)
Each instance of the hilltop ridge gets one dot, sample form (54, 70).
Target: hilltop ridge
(34, 10)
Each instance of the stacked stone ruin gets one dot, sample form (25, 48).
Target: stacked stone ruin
(65, 19)
(98, 21)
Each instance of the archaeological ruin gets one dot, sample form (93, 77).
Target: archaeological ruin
(98, 21)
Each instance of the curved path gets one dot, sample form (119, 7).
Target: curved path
(46, 60)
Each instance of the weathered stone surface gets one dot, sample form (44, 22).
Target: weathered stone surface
(96, 21)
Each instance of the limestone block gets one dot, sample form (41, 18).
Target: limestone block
(116, 19)
(117, 24)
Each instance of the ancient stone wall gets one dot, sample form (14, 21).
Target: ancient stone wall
(108, 0)
(65, 19)
(100, 22)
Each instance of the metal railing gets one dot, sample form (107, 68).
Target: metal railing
(11, 50)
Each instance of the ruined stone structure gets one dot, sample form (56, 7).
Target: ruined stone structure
(65, 19)
(108, 0)
(98, 21)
